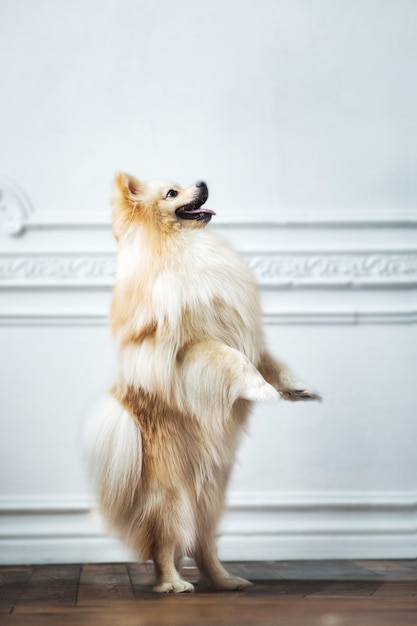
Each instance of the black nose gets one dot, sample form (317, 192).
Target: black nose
(202, 187)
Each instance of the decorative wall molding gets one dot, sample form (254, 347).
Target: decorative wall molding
(325, 317)
(57, 270)
(236, 500)
(285, 218)
(335, 269)
(256, 525)
(16, 210)
(315, 269)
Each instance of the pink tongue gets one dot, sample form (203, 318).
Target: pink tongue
(201, 210)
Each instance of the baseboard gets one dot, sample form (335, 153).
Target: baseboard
(268, 526)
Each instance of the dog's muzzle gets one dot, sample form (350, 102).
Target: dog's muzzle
(195, 210)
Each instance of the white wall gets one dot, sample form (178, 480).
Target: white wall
(301, 117)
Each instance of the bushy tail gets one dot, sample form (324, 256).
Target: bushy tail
(114, 449)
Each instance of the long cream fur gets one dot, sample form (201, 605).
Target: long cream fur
(187, 319)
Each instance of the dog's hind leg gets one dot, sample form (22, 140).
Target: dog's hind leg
(205, 556)
(167, 576)
(178, 560)
(210, 507)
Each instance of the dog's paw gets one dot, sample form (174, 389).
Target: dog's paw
(295, 390)
(258, 390)
(230, 583)
(174, 586)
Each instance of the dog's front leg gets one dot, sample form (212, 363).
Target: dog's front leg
(288, 386)
(213, 372)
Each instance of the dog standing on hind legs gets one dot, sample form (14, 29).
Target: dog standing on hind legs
(187, 320)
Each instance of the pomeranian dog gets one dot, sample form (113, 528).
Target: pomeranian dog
(187, 319)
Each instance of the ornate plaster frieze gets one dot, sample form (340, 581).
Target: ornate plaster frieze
(58, 269)
(335, 268)
(275, 270)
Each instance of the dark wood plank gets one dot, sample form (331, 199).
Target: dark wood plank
(51, 585)
(256, 570)
(397, 589)
(392, 570)
(313, 588)
(12, 584)
(344, 589)
(325, 570)
(104, 583)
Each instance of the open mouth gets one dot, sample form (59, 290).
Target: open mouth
(195, 211)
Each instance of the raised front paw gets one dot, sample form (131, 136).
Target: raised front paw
(295, 390)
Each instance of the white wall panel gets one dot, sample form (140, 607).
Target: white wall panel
(301, 116)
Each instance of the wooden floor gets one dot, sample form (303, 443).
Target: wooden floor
(287, 593)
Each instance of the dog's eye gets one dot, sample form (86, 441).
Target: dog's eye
(172, 193)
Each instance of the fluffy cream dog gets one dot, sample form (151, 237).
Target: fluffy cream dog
(187, 319)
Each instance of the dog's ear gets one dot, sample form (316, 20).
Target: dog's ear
(127, 191)
(126, 188)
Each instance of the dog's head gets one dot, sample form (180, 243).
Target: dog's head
(163, 205)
